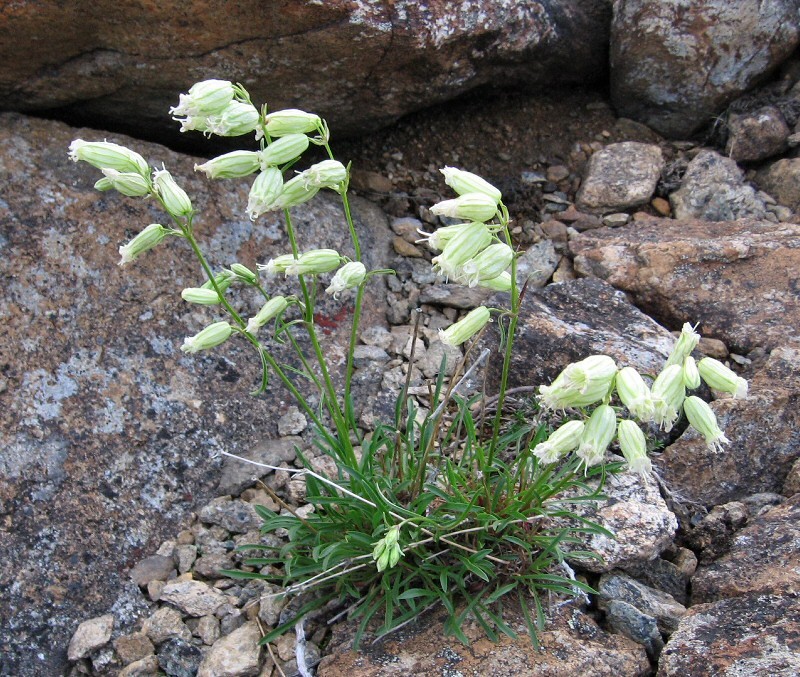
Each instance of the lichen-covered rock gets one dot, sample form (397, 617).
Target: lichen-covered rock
(754, 635)
(359, 64)
(235, 516)
(235, 655)
(735, 278)
(194, 598)
(764, 559)
(714, 189)
(661, 606)
(621, 176)
(108, 430)
(164, 624)
(781, 179)
(675, 65)
(756, 135)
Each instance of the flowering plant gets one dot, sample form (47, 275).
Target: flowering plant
(461, 506)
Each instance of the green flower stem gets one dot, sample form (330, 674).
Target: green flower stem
(512, 328)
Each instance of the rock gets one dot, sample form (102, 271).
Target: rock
(665, 576)
(153, 568)
(146, 667)
(184, 556)
(712, 536)
(781, 180)
(178, 658)
(166, 623)
(763, 430)
(763, 559)
(621, 176)
(365, 355)
(210, 565)
(293, 422)
(566, 322)
(654, 603)
(454, 296)
(632, 623)
(104, 420)
(616, 219)
(89, 636)
(756, 135)
(661, 206)
(753, 635)
(735, 278)
(636, 514)
(571, 644)
(193, 597)
(133, 647)
(675, 67)
(270, 605)
(301, 55)
(208, 630)
(235, 655)
(792, 484)
(377, 336)
(537, 264)
(713, 189)
(238, 475)
(235, 516)
(405, 248)
(430, 364)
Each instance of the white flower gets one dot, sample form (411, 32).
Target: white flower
(350, 275)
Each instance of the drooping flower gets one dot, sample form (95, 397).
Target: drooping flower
(635, 394)
(702, 418)
(669, 392)
(131, 184)
(200, 296)
(291, 121)
(144, 241)
(350, 275)
(561, 442)
(105, 155)
(691, 375)
(486, 265)
(719, 377)
(174, 198)
(471, 206)
(685, 344)
(213, 335)
(463, 182)
(270, 310)
(234, 165)
(315, 262)
(597, 435)
(465, 244)
(264, 193)
(283, 150)
(466, 327)
(633, 445)
(205, 98)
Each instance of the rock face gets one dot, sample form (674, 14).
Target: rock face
(736, 279)
(108, 430)
(674, 65)
(781, 180)
(358, 64)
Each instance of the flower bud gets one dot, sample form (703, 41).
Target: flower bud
(325, 174)
(592, 374)
(174, 198)
(387, 551)
(105, 155)
(315, 262)
(464, 245)
(131, 184)
(685, 344)
(487, 265)
(691, 376)
(702, 418)
(271, 309)
(211, 336)
(635, 394)
(244, 273)
(201, 296)
(291, 121)
(295, 192)
(236, 119)
(233, 165)
(471, 206)
(103, 184)
(564, 440)
(145, 240)
(719, 377)
(597, 435)
(279, 264)
(208, 97)
(633, 445)
(668, 395)
(223, 279)
(466, 182)
(350, 275)
(500, 283)
(283, 150)
(465, 328)
(264, 193)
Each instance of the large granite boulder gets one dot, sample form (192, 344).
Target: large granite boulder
(108, 429)
(675, 65)
(357, 63)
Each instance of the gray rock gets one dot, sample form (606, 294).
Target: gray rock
(453, 296)
(754, 635)
(781, 179)
(293, 422)
(153, 568)
(238, 475)
(133, 647)
(711, 537)
(666, 576)
(537, 264)
(208, 629)
(365, 355)
(621, 176)
(235, 655)
(378, 336)
(166, 623)
(616, 220)
(210, 564)
(659, 605)
(271, 605)
(631, 622)
(713, 189)
(89, 636)
(179, 658)
(146, 667)
(756, 135)
(193, 597)
(235, 515)
(430, 362)
(409, 56)
(676, 65)
(184, 556)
